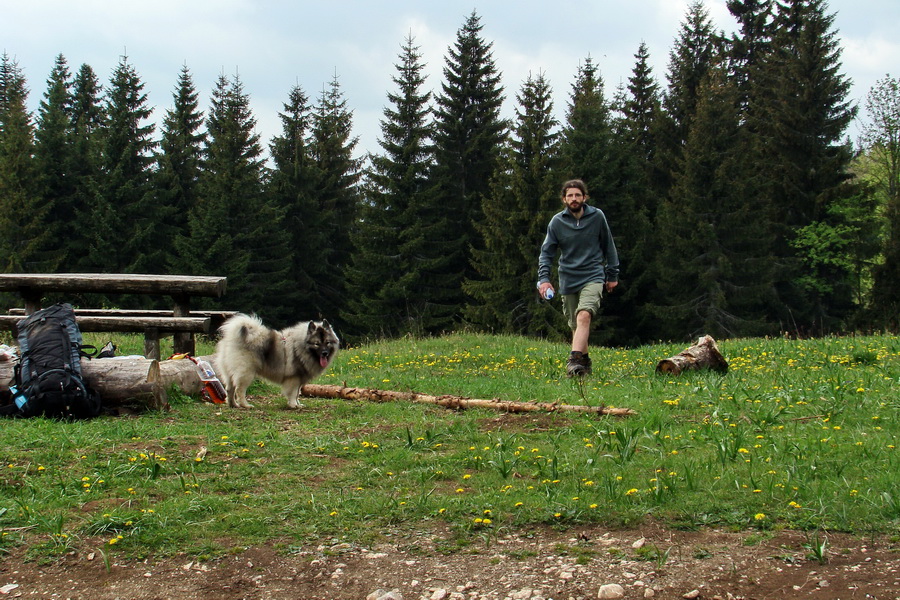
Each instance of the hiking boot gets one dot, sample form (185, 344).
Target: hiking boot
(578, 365)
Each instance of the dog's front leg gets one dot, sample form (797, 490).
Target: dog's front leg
(291, 391)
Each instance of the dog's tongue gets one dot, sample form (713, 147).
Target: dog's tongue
(323, 361)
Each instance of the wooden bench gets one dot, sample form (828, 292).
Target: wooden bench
(180, 322)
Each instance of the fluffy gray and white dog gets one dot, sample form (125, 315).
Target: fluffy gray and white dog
(291, 357)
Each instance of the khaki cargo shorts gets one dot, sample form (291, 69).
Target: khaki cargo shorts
(587, 299)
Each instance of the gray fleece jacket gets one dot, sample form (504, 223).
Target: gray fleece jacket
(587, 251)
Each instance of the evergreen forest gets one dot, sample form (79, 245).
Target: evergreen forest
(738, 203)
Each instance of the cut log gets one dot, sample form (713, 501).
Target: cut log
(131, 378)
(455, 402)
(702, 355)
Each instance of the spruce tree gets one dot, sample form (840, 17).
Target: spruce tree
(337, 176)
(86, 132)
(696, 48)
(711, 241)
(23, 212)
(55, 160)
(469, 134)
(635, 133)
(234, 231)
(125, 215)
(640, 110)
(799, 111)
(523, 197)
(386, 297)
(750, 45)
(179, 163)
(587, 138)
(292, 186)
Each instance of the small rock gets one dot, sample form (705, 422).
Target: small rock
(691, 595)
(8, 588)
(611, 591)
(649, 593)
(521, 594)
(823, 583)
(639, 543)
(439, 594)
(385, 595)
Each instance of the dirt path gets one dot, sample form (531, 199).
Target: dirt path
(545, 565)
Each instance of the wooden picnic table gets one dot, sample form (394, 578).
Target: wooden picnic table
(181, 288)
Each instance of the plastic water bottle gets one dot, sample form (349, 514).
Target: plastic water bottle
(18, 397)
(214, 388)
(548, 295)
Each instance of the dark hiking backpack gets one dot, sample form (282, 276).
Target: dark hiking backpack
(48, 377)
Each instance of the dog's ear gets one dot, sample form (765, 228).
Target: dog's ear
(311, 329)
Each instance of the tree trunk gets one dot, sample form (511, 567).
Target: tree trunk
(702, 355)
(447, 401)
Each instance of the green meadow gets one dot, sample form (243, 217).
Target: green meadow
(799, 434)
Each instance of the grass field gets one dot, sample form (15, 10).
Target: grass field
(799, 434)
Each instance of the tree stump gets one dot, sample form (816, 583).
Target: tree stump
(702, 355)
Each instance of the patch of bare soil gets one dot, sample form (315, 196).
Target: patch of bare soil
(535, 565)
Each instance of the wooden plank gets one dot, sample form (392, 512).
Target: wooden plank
(161, 324)
(113, 283)
(137, 312)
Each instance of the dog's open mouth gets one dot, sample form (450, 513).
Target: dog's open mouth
(323, 360)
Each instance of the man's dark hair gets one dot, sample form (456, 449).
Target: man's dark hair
(574, 183)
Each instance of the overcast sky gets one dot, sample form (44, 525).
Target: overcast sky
(276, 44)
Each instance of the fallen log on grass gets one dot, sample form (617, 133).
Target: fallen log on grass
(128, 378)
(455, 402)
(702, 355)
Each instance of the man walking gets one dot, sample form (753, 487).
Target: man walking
(588, 266)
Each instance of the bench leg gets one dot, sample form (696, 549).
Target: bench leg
(183, 343)
(184, 340)
(151, 343)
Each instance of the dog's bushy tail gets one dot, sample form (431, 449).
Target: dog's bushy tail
(247, 328)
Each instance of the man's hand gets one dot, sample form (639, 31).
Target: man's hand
(542, 289)
(610, 285)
